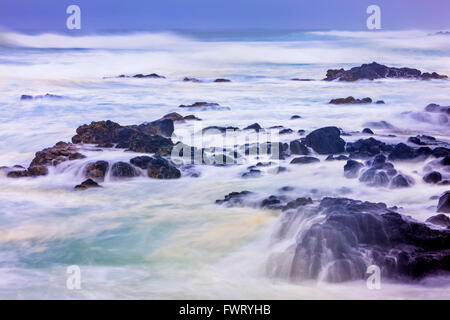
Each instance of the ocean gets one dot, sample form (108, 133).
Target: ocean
(168, 239)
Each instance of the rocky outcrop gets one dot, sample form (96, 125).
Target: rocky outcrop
(87, 184)
(157, 167)
(326, 141)
(374, 71)
(141, 75)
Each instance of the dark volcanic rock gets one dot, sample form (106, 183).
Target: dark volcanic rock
(351, 235)
(97, 170)
(235, 198)
(255, 127)
(374, 71)
(145, 137)
(87, 184)
(444, 203)
(350, 100)
(440, 220)
(326, 141)
(304, 160)
(432, 177)
(157, 167)
(352, 168)
(367, 131)
(298, 147)
(365, 148)
(123, 170)
(187, 79)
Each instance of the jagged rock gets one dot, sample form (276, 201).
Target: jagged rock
(97, 170)
(374, 71)
(326, 140)
(123, 170)
(432, 177)
(304, 160)
(346, 236)
(444, 203)
(351, 100)
(352, 168)
(87, 184)
(297, 147)
(152, 76)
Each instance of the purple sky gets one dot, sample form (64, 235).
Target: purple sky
(118, 15)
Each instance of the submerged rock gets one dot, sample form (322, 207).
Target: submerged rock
(326, 141)
(352, 168)
(374, 71)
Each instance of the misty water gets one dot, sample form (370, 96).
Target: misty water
(147, 238)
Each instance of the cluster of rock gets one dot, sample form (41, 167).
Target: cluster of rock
(140, 76)
(374, 71)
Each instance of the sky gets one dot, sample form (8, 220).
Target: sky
(37, 16)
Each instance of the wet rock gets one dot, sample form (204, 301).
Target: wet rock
(440, 220)
(200, 104)
(18, 174)
(380, 102)
(157, 167)
(97, 170)
(46, 96)
(337, 158)
(53, 156)
(352, 168)
(435, 108)
(432, 177)
(374, 71)
(351, 100)
(255, 127)
(187, 79)
(299, 202)
(401, 181)
(365, 148)
(441, 152)
(252, 173)
(367, 131)
(151, 76)
(402, 152)
(374, 178)
(353, 235)
(235, 198)
(304, 160)
(444, 203)
(191, 117)
(286, 131)
(87, 184)
(123, 170)
(26, 97)
(297, 147)
(445, 161)
(272, 202)
(326, 140)
(294, 117)
(222, 80)
(301, 132)
(213, 129)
